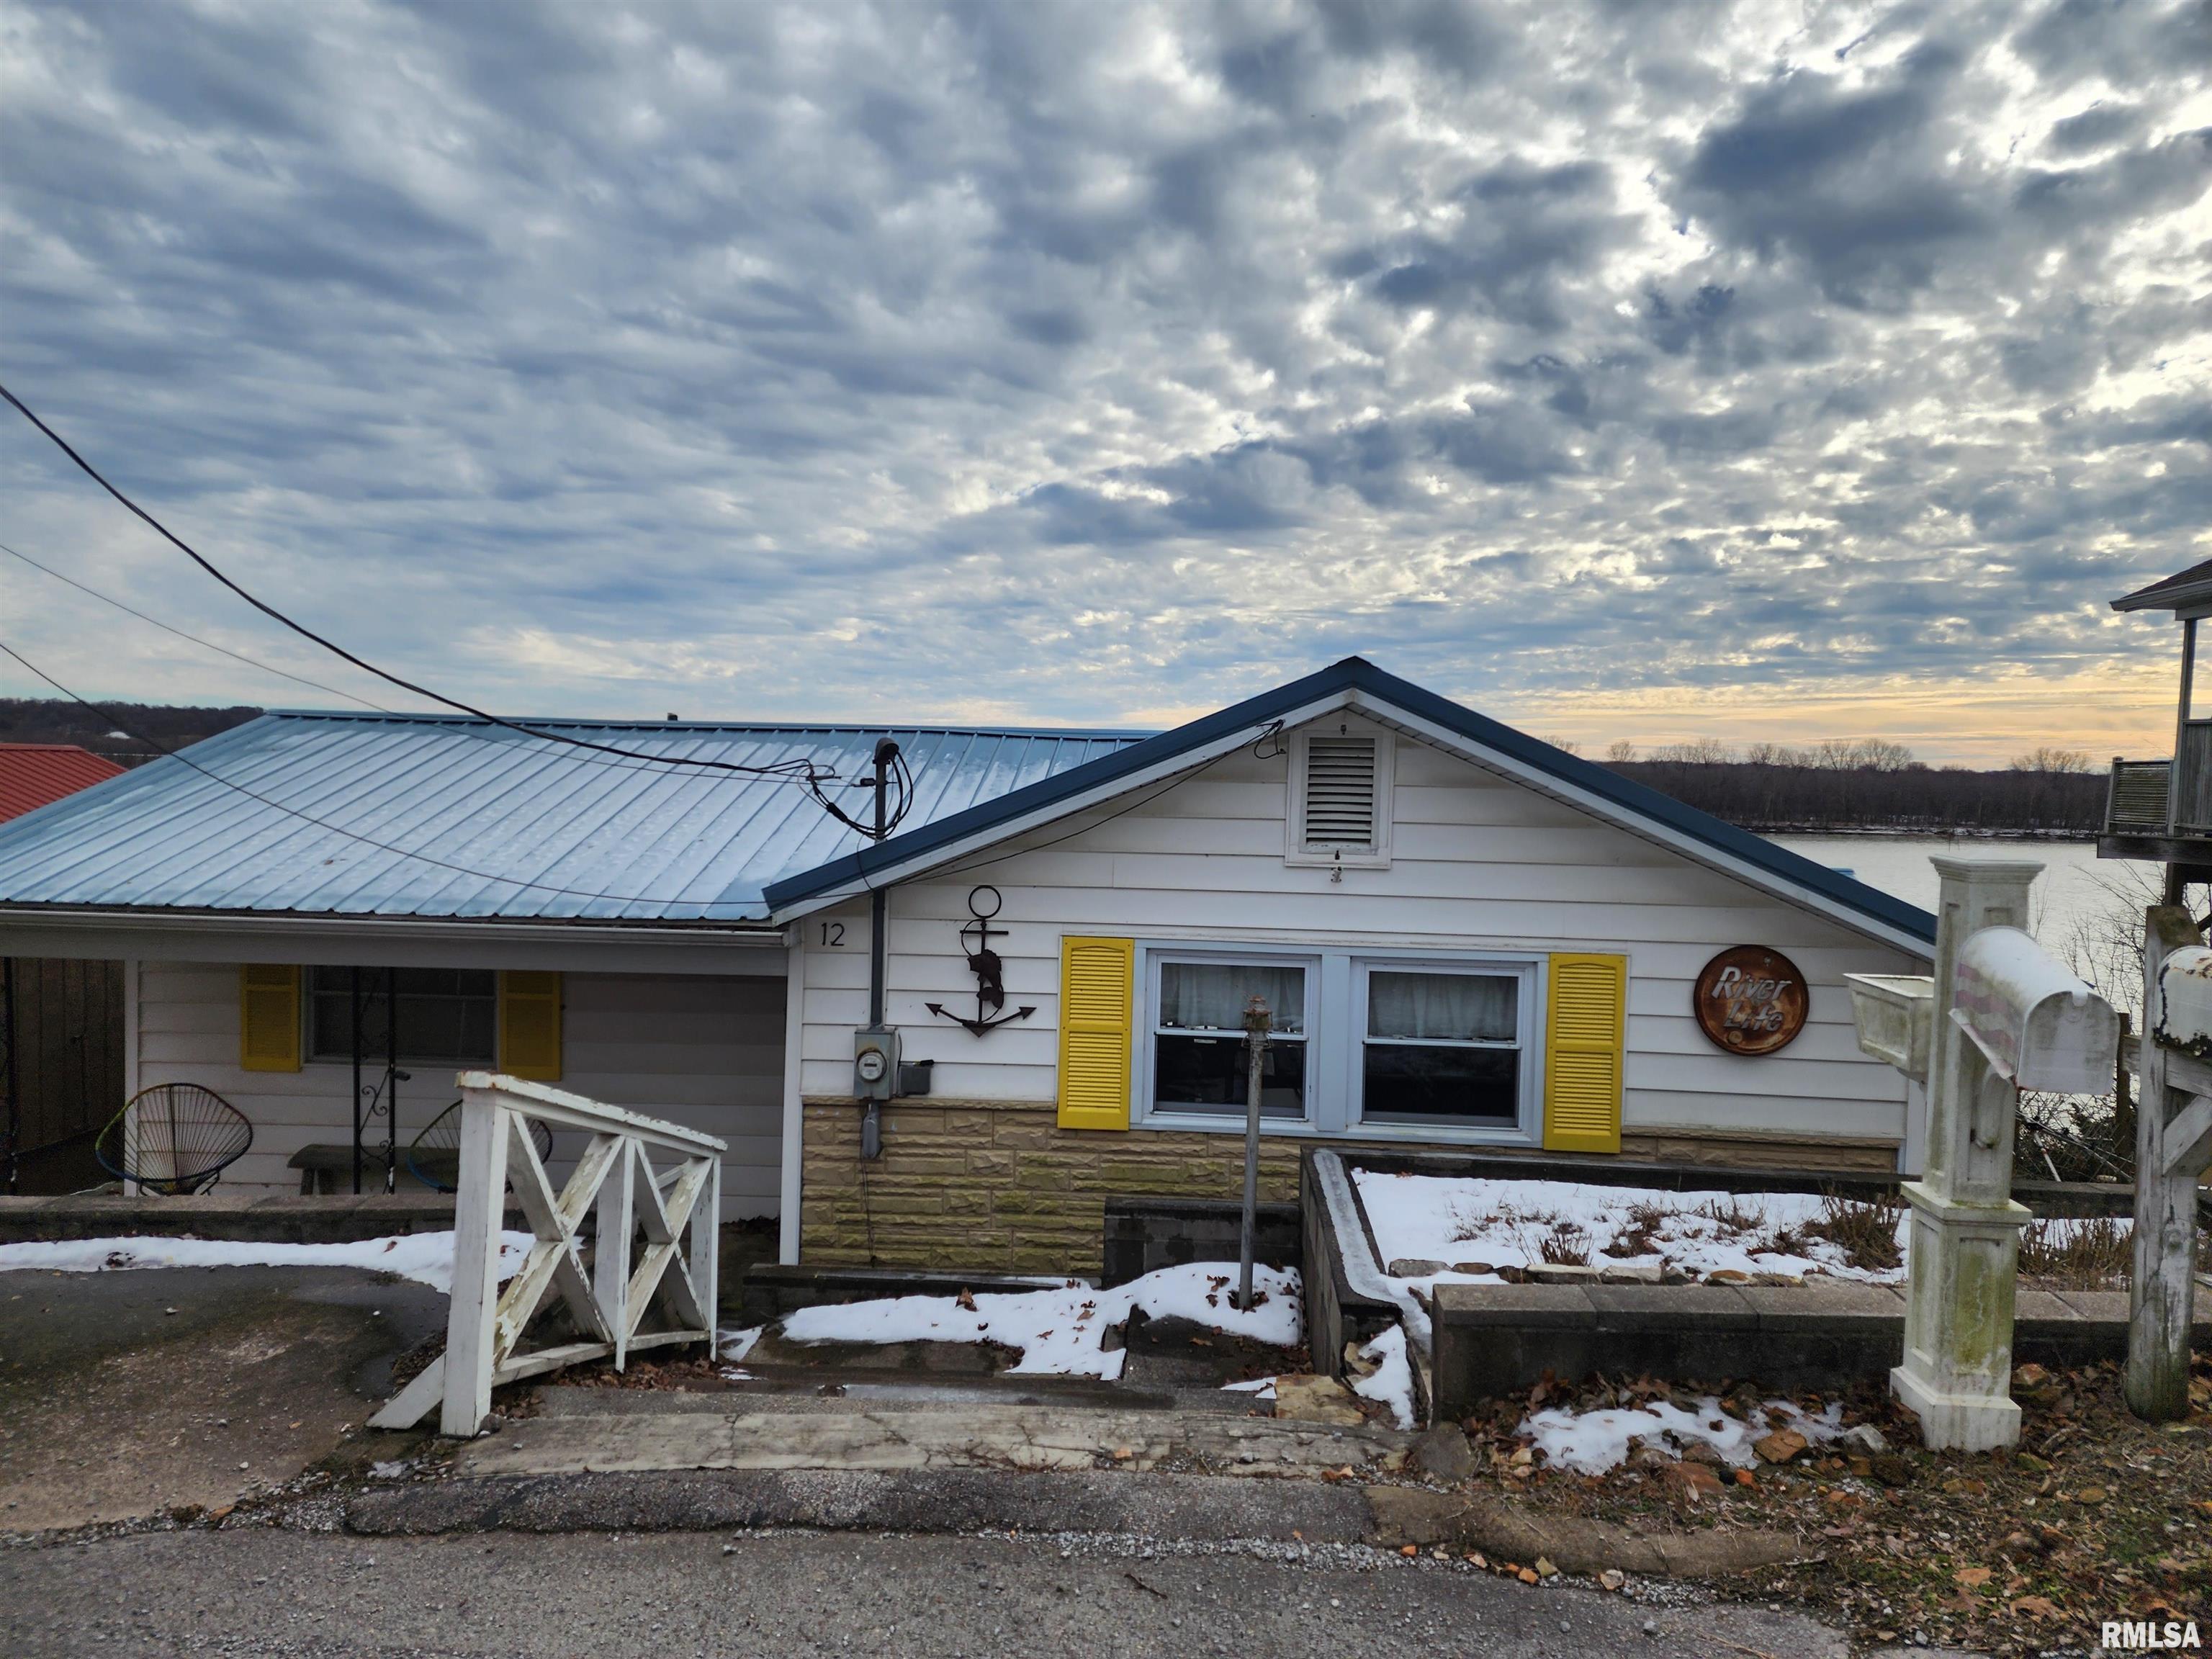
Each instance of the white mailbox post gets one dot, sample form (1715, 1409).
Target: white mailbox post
(2000, 1015)
(2173, 1144)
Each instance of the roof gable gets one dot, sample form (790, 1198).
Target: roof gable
(1358, 684)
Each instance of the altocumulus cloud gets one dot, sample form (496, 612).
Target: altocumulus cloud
(1103, 362)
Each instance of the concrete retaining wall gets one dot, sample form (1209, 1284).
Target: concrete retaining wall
(1143, 1234)
(1494, 1340)
(287, 1220)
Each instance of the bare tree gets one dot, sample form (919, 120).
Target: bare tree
(1620, 752)
(2045, 759)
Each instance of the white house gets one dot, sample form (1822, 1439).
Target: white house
(1467, 936)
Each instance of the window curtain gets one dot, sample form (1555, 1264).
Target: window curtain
(1443, 1007)
(1211, 995)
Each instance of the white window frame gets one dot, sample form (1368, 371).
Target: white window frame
(1529, 1032)
(1297, 850)
(1336, 1030)
(1144, 1080)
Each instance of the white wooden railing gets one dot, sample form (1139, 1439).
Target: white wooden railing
(653, 1191)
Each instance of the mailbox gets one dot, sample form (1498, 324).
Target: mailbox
(2184, 982)
(1892, 1012)
(2038, 1025)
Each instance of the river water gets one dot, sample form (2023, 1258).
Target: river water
(2081, 903)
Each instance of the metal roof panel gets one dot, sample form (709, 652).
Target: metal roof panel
(315, 813)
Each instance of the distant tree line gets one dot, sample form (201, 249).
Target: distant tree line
(1870, 784)
(50, 719)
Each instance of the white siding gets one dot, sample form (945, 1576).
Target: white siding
(705, 1051)
(1479, 863)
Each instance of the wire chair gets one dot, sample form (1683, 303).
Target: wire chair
(173, 1139)
(435, 1157)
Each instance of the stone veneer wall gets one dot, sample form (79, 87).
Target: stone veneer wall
(998, 1185)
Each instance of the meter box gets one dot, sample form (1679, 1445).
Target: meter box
(875, 1062)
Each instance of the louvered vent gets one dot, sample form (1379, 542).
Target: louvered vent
(1340, 798)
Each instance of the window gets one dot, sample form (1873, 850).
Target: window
(444, 1013)
(1339, 799)
(1412, 1045)
(1199, 1063)
(1442, 1046)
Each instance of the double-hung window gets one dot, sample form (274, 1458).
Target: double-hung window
(1443, 1045)
(1198, 1049)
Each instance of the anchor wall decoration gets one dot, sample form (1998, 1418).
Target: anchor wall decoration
(984, 963)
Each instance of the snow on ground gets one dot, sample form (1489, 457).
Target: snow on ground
(1392, 1380)
(1592, 1442)
(427, 1258)
(1062, 1330)
(1465, 1218)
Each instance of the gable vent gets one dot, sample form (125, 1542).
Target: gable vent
(1339, 793)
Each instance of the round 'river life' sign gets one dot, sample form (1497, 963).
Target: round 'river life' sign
(1751, 1000)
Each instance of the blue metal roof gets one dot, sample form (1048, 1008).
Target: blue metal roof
(375, 815)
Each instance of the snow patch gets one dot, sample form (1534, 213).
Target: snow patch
(1392, 1380)
(1592, 1442)
(426, 1258)
(1061, 1331)
(1450, 1218)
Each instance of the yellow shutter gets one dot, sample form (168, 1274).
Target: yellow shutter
(1586, 1041)
(269, 1017)
(1095, 999)
(530, 1026)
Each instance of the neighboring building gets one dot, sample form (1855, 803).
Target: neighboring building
(1469, 937)
(61, 1025)
(32, 775)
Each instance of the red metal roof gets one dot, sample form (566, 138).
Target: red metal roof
(34, 774)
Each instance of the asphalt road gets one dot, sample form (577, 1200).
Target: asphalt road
(263, 1591)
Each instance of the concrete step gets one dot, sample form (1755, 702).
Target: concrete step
(968, 1437)
(812, 1392)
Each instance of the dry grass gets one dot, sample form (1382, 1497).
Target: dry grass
(1864, 1230)
(2076, 1256)
(1732, 1216)
(1565, 1245)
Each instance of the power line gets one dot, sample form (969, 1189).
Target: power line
(236, 656)
(255, 662)
(309, 817)
(811, 772)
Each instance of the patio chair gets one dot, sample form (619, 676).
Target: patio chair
(435, 1157)
(173, 1139)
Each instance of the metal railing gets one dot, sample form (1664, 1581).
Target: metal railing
(653, 1237)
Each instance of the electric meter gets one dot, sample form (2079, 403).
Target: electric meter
(875, 1062)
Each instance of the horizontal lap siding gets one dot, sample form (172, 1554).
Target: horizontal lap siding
(703, 1051)
(1479, 864)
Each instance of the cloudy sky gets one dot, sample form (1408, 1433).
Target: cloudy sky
(1624, 370)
